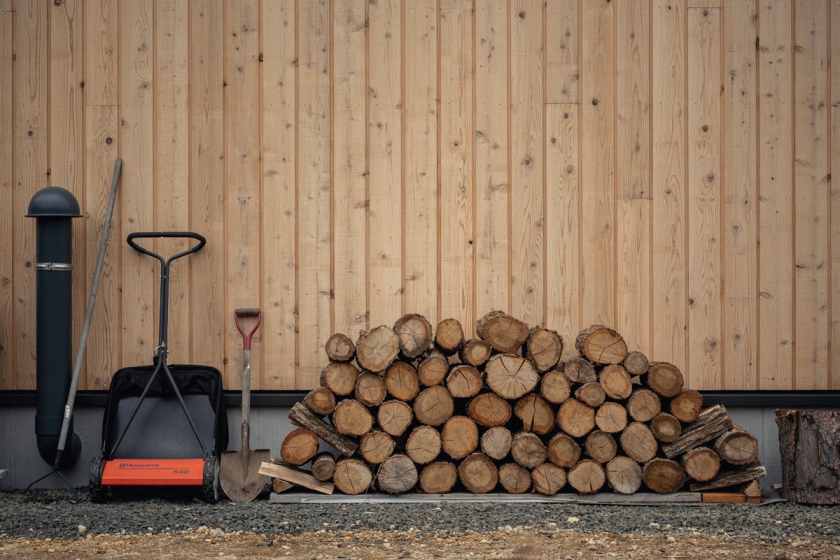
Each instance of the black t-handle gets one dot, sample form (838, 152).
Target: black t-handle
(157, 234)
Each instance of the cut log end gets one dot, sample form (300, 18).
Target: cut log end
(475, 352)
(580, 370)
(490, 410)
(663, 476)
(504, 333)
(638, 442)
(643, 405)
(548, 479)
(401, 381)
(611, 417)
(299, 446)
(434, 406)
(464, 381)
(587, 477)
(433, 369)
(375, 447)
(496, 442)
(323, 466)
(575, 418)
(397, 475)
(370, 389)
(528, 450)
(352, 418)
(636, 363)
(459, 437)
(591, 394)
(438, 478)
(536, 414)
(340, 348)
(449, 336)
(478, 474)
(555, 387)
(616, 382)
(600, 446)
(624, 475)
(737, 447)
(686, 406)
(394, 417)
(702, 464)
(414, 333)
(666, 427)
(601, 345)
(514, 478)
(340, 378)
(320, 400)
(510, 376)
(352, 476)
(544, 348)
(423, 445)
(664, 379)
(377, 349)
(563, 451)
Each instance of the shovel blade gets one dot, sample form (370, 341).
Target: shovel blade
(239, 473)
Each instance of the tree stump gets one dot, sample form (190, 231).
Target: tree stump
(434, 406)
(510, 376)
(323, 466)
(686, 406)
(591, 394)
(423, 445)
(496, 442)
(616, 382)
(414, 333)
(665, 427)
(376, 446)
(464, 381)
(340, 348)
(576, 418)
(438, 477)
(643, 405)
(664, 379)
(478, 474)
(663, 476)
(449, 336)
(611, 417)
(555, 387)
(638, 442)
(370, 389)
(702, 464)
(624, 475)
(563, 451)
(737, 447)
(514, 478)
(397, 475)
(536, 414)
(489, 410)
(459, 437)
(320, 400)
(636, 363)
(432, 370)
(601, 345)
(340, 378)
(352, 476)
(600, 446)
(528, 450)
(548, 479)
(394, 417)
(401, 381)
(580, 370)
(377, 349)
(352, 418)
(298, 447)
(544, 348)
(587, 477)
(475, 352)
(809, 442)
(504, 333)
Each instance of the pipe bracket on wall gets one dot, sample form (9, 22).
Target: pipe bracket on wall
(54, 266)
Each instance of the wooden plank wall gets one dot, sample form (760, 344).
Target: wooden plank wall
(661, 166)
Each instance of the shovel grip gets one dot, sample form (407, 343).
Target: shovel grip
(246, 337)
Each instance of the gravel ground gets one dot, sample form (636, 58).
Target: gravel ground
(54, 514)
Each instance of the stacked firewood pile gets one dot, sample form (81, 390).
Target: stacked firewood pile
(411, 408)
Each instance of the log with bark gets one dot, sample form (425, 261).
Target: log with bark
(737, 446)
(299, 446)
(591, 394)
(666, 380)
(600, 446)
(555, 387)
(423, 445)
(576, 418)
(376, 446)
(352, 476)
(433, 368)
(301, 416)
(370, 389)
(459, 437)
(514, 478)
(323, 466)
(510, 376)
(809, 442)
(352, 418)
(320, 400)
(643, 405)
(587, 477)
(434, 406)
(496, 442)
(580, 370)
(710, 424)
(686, 406)
(394, 417)
(489, 410)
(746, 473)
(340, 348)
(449, 336)
(438, 477)
(616, 382)
(544, 348)
(624, 475)
(340, 378)
(666, 427)
(611, 417)
(377, 349)
(475, 352)
(478, 473)
(636, 363)
(528, 450)
(401, 381)
(563, 451)
(601, 345)
(504, 333)
(536, 414)
(701, 463)
(638, 442)
(397, 474)
(464, 381)
(414, 333)
(548, 479)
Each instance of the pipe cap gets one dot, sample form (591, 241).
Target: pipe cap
(53, 202)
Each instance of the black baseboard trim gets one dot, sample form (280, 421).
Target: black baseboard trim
(749, 399)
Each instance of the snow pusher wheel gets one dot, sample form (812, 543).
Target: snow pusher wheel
(98, 494)
(210, 489)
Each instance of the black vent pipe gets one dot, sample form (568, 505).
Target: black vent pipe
(54, 208)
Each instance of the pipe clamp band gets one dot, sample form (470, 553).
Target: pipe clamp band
(54, 266)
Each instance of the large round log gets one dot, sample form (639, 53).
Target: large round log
(397, 475)
(576, 418)
(600, 446)
(665, 427)
(544, 348)
(663, 476)
(423, 445)
(636, 363)
(591, 394)
(504, 333)
(352, 476)
(548, 479)
(528, 450)
(352, 418)
(414, 333)
(433, 368)
(376, 446)
(401, 381)
(496, 442)
(664, 379)
(340, 378)
(555, 387)
(394, 417)
(536, 414)
(377, 349)
(737, 447)
(580, 370)
(624, 475)
(459, 437)
(510, 376)
(563, 451)
(370, 389)
(478, 474)
(643, 405)
(514, 478)
(601, 345)
(638, 442)
(438, 477)
(616, 382)
(449, 336)
(475, 352)
(464, 381)
(686, 406)
(611, 417)
(587, 477)
(323, 466)
(320, 400)
(489, 410)
(340, 348)
(298, 447)
(701, 463)
(434, 405)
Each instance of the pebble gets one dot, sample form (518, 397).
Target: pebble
(572, 520)
(82, 529)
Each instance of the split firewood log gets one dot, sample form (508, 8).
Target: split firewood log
(489, 410)
(478, 473)
(600, 446)
(576, 418)
(376, 446)
(544, 348)
(434, 405)
(514, 478)
(510, 376)
(301, 416)
(548, 479)
(616, 382)
(591, 394)
(664, 379)
(636, 363)
(320, 400)
(423, 445)
(555, 387)
(401, 381)
(433, 368)
(587, 477)
(352, 476)
(504, 333)
(737, 446)
(299, 446)
(394, 417)
(352, 418)
(278, 486)
(536, 414)
(710, 424)
(340, 348)
(563, 451)
(665, 427)
(370, 389)
(377, 349)
(438, 477)
(701, 463)
(323, 466)
(638, 442)
(340, 378)
(643, 405)
(624, 475)
(611, 417)
(686, 406)
(601, 345)
(496, 442)
(747, 473)
(464, 381)
(528, 450)
(663, 475)
(414, 333)
(449, 336)
(459, 437)
(397, 474)
(475, 352)
(580, 370)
